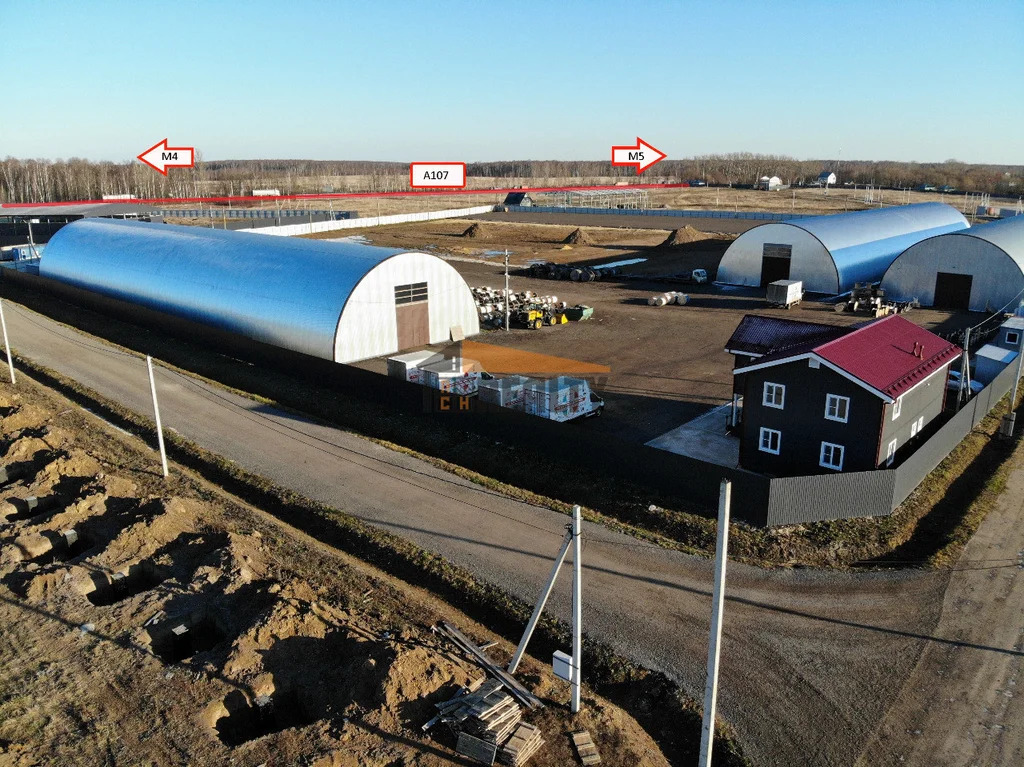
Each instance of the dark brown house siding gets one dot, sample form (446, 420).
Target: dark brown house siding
(865, 435)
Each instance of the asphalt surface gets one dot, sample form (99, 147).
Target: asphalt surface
(811, 660)
(705, 224)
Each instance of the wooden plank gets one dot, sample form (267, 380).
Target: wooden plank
(513, 685)
(585, 748)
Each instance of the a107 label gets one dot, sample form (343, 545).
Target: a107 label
(437, 174)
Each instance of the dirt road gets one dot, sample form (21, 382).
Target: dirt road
(725, 225)
(811, 660)
(964, 703)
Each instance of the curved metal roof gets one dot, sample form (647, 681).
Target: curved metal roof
(1006, 234)
(282, 291)
(864, 243)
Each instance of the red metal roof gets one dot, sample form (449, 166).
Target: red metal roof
(891, 354)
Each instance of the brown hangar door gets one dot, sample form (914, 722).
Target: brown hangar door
(775, 260)
(412, 315)
(953, 291)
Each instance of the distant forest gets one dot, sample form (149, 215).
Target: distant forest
(77, 179)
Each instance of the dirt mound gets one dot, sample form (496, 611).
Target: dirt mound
(685, 236)
(577, 237)
(474, 231)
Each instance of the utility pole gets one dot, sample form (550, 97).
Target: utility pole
(7, 344)
(506, 290)
(156, 411)
(965, 371)
(577, 609)
(542, 600)
(707, 734)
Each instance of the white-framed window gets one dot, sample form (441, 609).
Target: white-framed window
(920, 424)
(832, 456)
(1012, 337)
(837, 408)
(913, 429)
(897, 408)
(890, 453)
(770, 441)
(774, 395)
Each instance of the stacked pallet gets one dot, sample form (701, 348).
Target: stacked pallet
(585, 747)
(523, 744)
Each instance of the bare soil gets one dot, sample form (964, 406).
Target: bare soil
(183, 626)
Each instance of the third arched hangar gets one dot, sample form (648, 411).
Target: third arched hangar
(981, 269)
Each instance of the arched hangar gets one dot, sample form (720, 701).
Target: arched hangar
(831, 253)
(339, 301)
(981, 268)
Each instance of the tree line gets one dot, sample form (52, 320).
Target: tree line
(78, 179)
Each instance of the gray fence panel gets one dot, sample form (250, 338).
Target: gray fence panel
(751, 215)
(821, 497)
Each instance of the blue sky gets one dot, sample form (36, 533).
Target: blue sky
(466, 81)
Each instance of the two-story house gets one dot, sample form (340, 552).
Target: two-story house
(838, 399)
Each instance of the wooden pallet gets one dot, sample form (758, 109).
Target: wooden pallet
(585, 748)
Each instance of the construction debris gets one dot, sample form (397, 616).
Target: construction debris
(487, 723)
(461, 641)
(867, 298)
(585, 747)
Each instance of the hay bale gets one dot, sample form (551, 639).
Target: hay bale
(474, 231)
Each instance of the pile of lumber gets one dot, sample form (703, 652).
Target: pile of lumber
(523, 744)
(487, 721)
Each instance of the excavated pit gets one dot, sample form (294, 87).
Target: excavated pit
(120, 586)
(265, 715)
(178, 640)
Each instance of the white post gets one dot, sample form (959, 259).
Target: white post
(707, 734)
(7, 344)
(506, 291)
(577, 609)
(541, 601)
(156, 411)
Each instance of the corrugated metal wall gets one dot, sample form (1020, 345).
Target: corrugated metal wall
(291, 230)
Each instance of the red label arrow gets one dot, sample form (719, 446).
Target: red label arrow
(642, 155)
(160, 157)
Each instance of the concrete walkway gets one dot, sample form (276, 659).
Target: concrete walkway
(703, 438)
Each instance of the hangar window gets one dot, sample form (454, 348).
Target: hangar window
(773, 250)
(410, 294)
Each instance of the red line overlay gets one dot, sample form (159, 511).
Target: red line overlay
(339, 196)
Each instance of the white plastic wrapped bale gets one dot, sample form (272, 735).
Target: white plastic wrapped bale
(504, 392)
(409, 366)
(559, 399)
(452, 376)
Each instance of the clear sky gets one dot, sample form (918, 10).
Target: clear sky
(490, 80)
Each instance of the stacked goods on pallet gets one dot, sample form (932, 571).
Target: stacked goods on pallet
(504, 392)
(409, 367)
(490, 304)
(452, 376)
(488, 723)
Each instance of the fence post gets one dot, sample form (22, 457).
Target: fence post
(7, 344)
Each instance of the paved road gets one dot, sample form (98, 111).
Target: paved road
(704, 224)
(811, 660)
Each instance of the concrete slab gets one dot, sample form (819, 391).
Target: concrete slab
(704, 438)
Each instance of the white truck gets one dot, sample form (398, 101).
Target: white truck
(785, 293)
